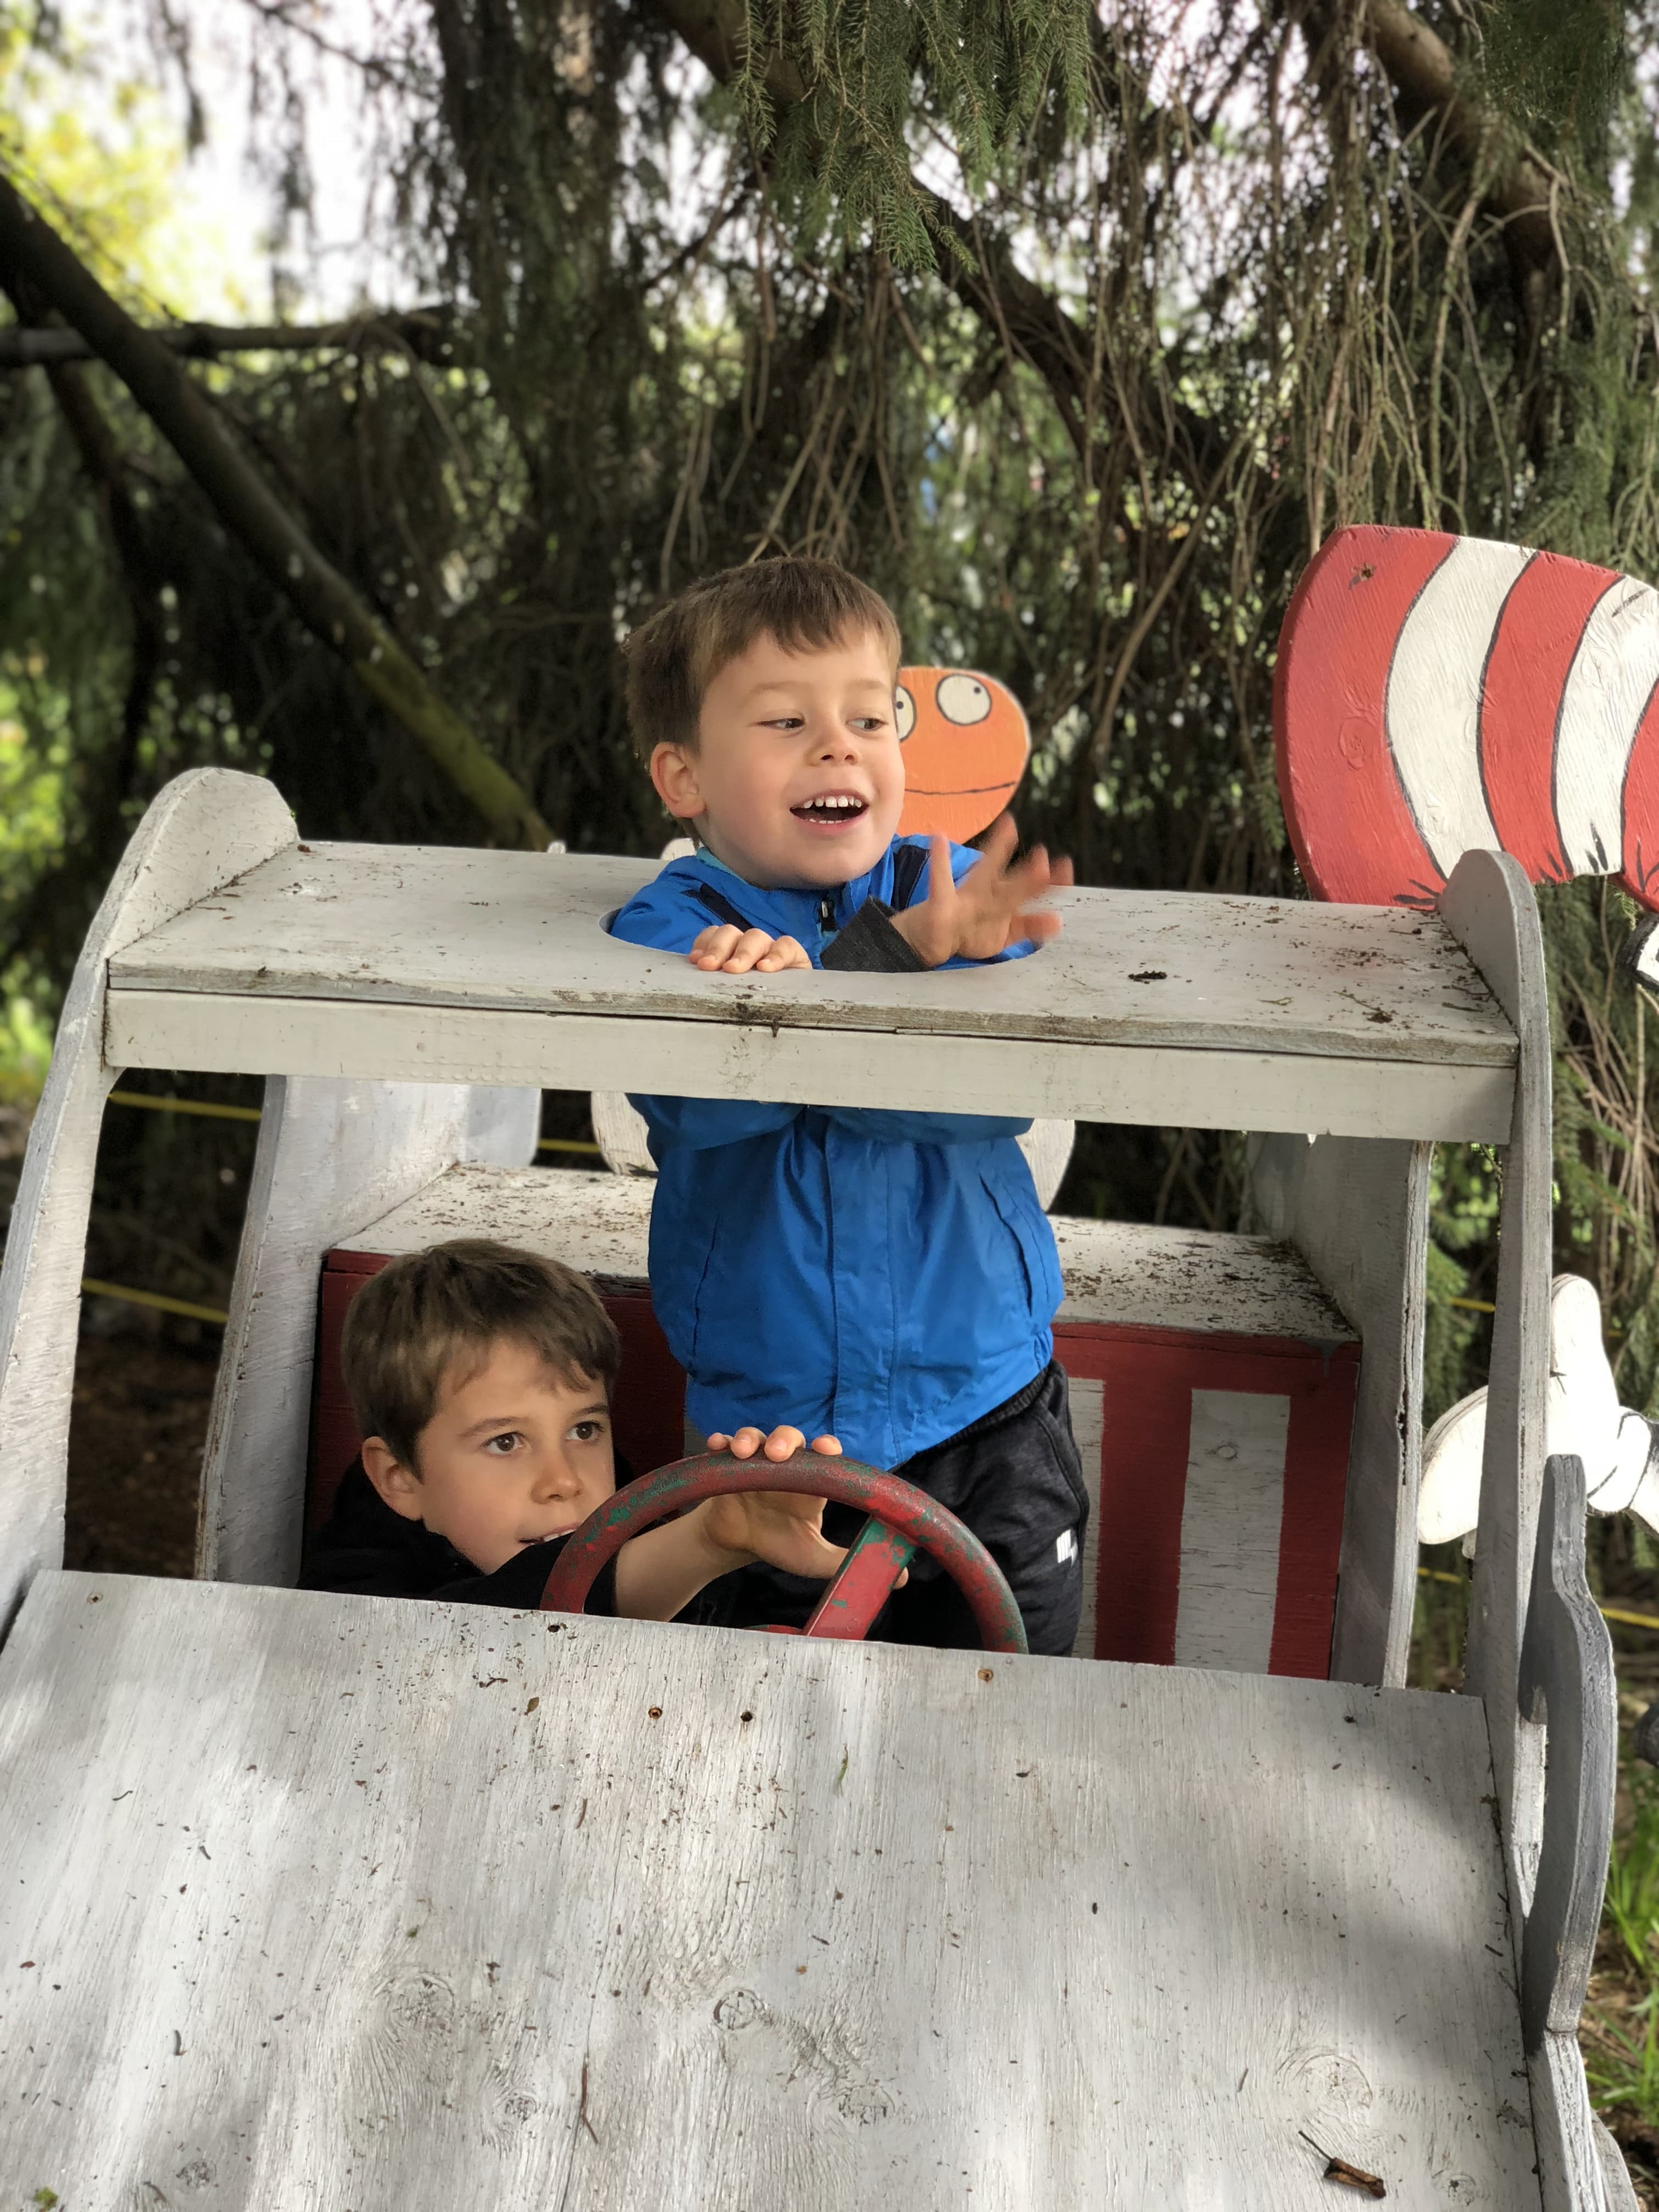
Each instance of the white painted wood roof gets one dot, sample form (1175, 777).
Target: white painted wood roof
(1119, 1272)
(457, 965)
(320, 1902)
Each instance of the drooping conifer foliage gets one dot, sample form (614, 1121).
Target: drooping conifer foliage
(1074, 328)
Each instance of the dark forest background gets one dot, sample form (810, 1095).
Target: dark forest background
(1074, 329)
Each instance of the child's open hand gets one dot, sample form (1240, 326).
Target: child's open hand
(991, 908)
(723, 949)
(775, 1525)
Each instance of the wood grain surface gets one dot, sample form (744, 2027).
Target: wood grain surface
(1489, 904)
(424, 926)
(322, 1902)
(755, 1052)
(202, 830)
(330, 1154)
(1358, 1215)
(1125, 1272)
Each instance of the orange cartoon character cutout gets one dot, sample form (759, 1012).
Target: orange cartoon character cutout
(966, 744)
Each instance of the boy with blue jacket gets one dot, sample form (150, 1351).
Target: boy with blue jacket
(887, 1276)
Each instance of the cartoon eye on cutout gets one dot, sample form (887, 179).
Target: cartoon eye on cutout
(904, 713)
(963, 698)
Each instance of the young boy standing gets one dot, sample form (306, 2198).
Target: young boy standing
(889, 1276)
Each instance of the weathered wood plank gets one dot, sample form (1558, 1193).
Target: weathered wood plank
(421, 925)
(1358, 1214)
(1489, 903)
(1567, 1683)
(203, 828)
(1114, 1271)
(323, 1911)
(330, 1155)
(863, 1065)
(1230, 1530)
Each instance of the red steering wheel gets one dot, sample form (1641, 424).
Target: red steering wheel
(904, 1519)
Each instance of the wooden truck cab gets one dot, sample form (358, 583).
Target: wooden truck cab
(317, 1901)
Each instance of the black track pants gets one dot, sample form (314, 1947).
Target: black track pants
(1014, 1477)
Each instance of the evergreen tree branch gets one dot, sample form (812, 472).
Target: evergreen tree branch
(1423, 70)
(427, 333)
(105, 791)
(32, 252)
(977, 266)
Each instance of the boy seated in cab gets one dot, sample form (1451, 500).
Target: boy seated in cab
(481, 1378)
(889, 1276)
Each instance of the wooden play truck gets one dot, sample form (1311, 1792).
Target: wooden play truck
(312, 1902)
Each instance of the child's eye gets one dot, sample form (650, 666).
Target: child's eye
(508, 1440)
(870, 721)
(588, 1432)
(786, 722)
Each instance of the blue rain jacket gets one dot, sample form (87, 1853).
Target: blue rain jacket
(885, 1277)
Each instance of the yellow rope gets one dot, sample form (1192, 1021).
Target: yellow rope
(1607, 1612)
(207, 1108)
(202, 1106)
(162, 1304)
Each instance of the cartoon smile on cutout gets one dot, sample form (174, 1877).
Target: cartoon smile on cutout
(965, 748)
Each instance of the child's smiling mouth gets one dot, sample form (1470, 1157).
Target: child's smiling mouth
(831, 810)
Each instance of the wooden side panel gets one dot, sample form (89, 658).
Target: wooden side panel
(1198, 1087)
(1358, 1214)
(1579, 2167)
(332, 1155)
(420, 1906)
(518, 934)
(1489, 903)
(1114, 1271)
(1217, 1475)
(1437, 695)
(204, 830)
(1567, 1682)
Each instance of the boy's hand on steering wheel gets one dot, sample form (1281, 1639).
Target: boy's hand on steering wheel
(991, 908)
(782, 1444)
(785, 1530)
(723, 949)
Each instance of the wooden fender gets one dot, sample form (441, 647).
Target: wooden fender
(1437, 695)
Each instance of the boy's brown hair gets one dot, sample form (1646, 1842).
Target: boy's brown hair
(674, 658)
(422, 1317)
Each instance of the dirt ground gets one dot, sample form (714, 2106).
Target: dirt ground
(137, 1430)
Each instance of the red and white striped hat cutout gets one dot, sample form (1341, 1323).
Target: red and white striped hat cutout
(1437, 695)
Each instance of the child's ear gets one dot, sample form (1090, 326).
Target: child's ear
(396, 1485)
(674, 773)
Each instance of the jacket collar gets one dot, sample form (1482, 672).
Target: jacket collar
(789, 910)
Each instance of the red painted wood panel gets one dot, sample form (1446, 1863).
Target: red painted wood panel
(1147, 1377)
(1351, 829)
(1641, 808)
(1503, 684)
(1532, 652)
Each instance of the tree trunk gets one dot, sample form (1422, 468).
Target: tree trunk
(427, 333)
(322, 597)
